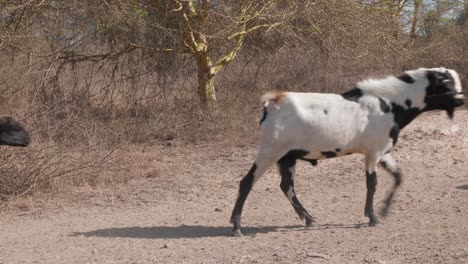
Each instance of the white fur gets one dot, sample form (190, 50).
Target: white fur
(317, 122)
(300, 122)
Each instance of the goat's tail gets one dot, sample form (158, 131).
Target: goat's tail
(273, 96)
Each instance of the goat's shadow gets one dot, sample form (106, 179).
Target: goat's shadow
(187, 231)
(463, 187)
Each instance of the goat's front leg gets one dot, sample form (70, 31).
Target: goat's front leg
(371, 184)
(389, 164)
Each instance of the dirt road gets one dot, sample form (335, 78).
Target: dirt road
(180, 212)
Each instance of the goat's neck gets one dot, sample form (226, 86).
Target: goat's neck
(406, 103)
(403, 115)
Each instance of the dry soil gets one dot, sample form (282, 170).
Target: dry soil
(179, 211)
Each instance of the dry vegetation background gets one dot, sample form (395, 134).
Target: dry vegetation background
(92, 79)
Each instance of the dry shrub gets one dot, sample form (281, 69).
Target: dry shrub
(50, 167)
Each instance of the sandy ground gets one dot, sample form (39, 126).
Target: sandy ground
(179, 212)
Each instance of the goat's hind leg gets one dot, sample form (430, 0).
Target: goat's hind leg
(389, 164)
(286, 167)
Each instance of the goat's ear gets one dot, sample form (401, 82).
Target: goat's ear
(448, 77)
(439, 82)
(437, 77)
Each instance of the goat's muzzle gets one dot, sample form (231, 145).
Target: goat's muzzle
(459, 99)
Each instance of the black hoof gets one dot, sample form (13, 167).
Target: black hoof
(384, 212)
(237, 233)
(374, 222)
(311, 223)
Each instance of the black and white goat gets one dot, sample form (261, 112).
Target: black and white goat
(366, 119)
(12, 133)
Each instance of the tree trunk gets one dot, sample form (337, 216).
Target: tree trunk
(206, 77)
(414, 23)
(206, 91)
(394, 17)
(465, 13)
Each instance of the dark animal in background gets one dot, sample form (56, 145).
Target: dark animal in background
(12, 133)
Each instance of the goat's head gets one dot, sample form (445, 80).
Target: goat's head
(12, 133)
(444, 91)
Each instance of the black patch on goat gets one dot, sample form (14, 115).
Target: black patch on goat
(264, 115)
(394, 133)
(285, 164)
(337, 150)
(406, 78)
(296, 154)
(437, 82)
(438, 95)
(353, 94)
(299, 154)
(384, 106)
(328, 154)
(402, 116)
(441, 102)
(312, 161)
(408, 103)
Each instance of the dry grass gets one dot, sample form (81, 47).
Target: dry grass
(51, 167)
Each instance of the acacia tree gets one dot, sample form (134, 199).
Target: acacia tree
(249, 16)
(395, 8)
(415, 19)
(210, 32)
